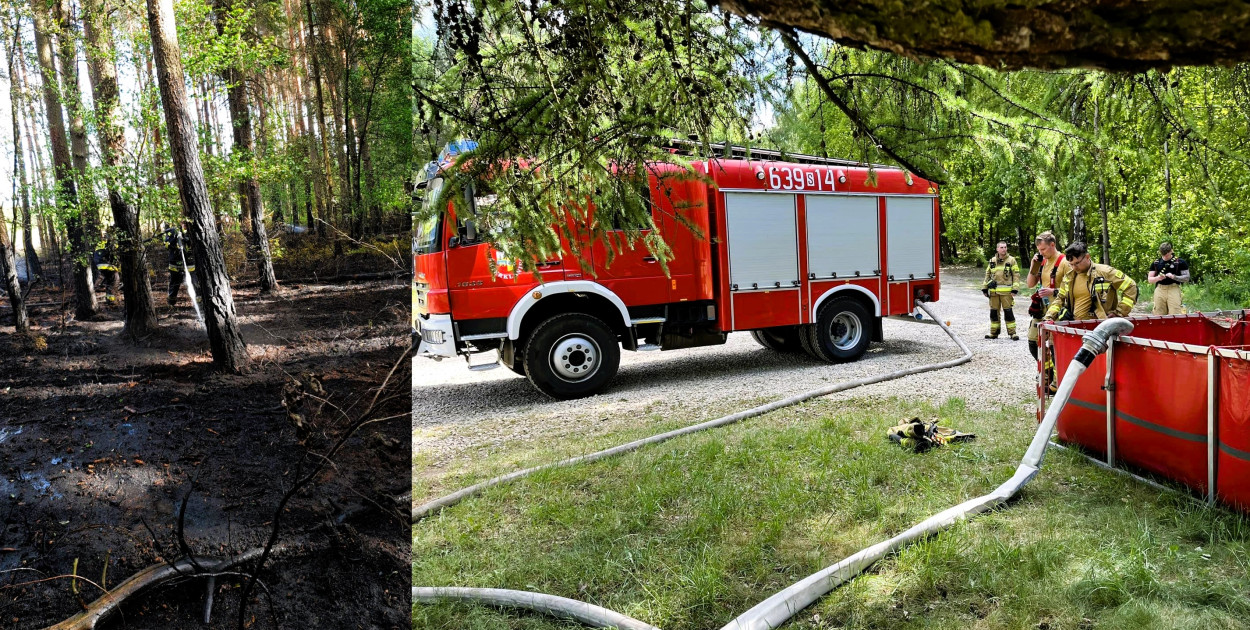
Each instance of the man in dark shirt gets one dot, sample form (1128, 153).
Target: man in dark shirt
(1168, 273)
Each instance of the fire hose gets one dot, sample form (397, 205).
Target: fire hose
(432, 507)
(782, 606)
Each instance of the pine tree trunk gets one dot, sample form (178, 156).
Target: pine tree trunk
(136, 288)
(1106, 233)
(249, 188)
(8, 269)
(72, 97)
(225, 340)
(27, 245)
(327, 183)
(63, 169)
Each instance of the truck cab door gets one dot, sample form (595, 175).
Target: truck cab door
(634, 273)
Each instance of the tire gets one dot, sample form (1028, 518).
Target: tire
(780, 339)
(517, 367)
(805, 341)
(571, 356)
(842, 330)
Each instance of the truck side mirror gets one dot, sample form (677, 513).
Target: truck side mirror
(453, 241)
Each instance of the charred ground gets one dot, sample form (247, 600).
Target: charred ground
(102, 439)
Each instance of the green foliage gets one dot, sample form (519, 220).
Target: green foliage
(570, 101)
(1025, 151)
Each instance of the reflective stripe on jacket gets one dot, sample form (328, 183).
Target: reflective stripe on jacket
(1112, 293)
(1002, 272)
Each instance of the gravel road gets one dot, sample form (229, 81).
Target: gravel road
(455, 410)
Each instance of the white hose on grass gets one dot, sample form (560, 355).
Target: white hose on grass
(559, 607)
(779, 608)
(432, 507)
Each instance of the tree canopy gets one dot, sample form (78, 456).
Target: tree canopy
(1122, 160)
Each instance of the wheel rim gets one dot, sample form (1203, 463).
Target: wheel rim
(845, 331)
(575, 357)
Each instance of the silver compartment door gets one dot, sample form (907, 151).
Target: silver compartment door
(842, 236)
(909, 236)
(763, 243)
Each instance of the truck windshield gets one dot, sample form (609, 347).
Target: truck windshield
(428, 232)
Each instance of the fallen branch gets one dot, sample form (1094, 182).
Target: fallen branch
(110, 602)
(303, 480)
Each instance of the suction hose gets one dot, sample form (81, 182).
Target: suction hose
(559, 607)
(436, 505)
(777, 609)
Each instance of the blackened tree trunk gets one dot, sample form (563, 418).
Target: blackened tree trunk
(8, 269)
(63, 168)
(136, 288)
(249, 188)
(225, 340)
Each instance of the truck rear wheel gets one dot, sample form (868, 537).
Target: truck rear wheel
(841, 332)
(571, 356)
(781, 338)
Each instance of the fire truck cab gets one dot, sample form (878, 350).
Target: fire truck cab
(806, 253)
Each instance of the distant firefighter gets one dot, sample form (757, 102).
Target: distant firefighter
(1168, 273)
(105, 260)
(180, 262)
(1000, 287)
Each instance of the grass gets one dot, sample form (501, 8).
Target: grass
(1217, 294)
(690, 533)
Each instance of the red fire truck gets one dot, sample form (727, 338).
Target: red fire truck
(806, 253)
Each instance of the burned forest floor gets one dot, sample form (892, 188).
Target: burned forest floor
(117, 455)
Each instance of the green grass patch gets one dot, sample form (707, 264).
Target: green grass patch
(690, 533)
(1211, 294)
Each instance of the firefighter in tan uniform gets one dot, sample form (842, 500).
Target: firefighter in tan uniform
(999, 287)
(1092, 291)
(1168, 274)
(1049, 269)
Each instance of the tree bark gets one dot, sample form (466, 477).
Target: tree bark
(71, 96)
(27, 246)
(1108, 34)
(8, 269)
(249, 188)
(1167, 188)
(136, 288)
(66, 191)
(312, 49)
(1106, 233)
(225, 340)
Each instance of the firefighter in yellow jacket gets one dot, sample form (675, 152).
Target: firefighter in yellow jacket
(1000, 287)
(1091, 290)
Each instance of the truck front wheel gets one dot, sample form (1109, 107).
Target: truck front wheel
(571, 356)
(842, 331)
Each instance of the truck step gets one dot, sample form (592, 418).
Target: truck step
(481, 367)
(649, 347)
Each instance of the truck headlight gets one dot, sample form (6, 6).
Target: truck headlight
(432, 336)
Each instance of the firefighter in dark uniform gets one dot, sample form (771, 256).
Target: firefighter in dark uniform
(1091, 290)
(181, 263)
(105, 259)
(1168, 273)
(999, 287)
